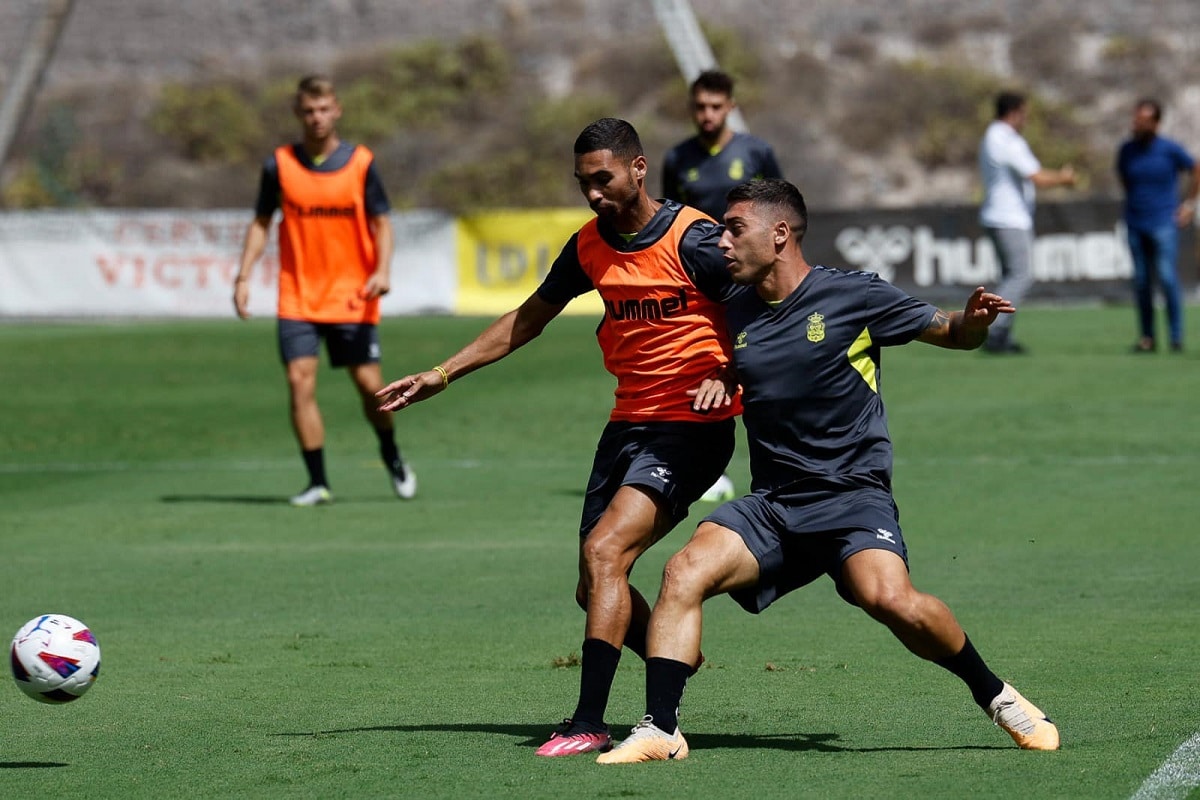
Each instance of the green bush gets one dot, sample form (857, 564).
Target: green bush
(532, 170)
(65, 168)
(941, 111)
(551, 126)
(27, 189)
(368, 112)
(958, 107)
(208, 123)
(735, 55)
(424, 86)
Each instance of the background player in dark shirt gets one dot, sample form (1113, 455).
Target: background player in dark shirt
(700, 171)
(807, 343)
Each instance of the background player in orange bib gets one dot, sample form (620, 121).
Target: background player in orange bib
(335, 253)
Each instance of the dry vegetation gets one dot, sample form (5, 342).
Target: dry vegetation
(476, 122)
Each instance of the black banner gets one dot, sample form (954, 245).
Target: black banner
(939, 253)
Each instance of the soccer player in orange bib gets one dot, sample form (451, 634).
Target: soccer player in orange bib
(662, 335)
(335, 253)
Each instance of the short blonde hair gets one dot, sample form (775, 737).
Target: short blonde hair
(314, 86)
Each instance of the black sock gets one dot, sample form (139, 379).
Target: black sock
(599, 662)
(968, 666)
(665, 682)
(389, 452)
(314, 462)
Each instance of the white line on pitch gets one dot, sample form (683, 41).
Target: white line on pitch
(1177, 776)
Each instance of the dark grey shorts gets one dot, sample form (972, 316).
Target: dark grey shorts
(677, 460)
(797, 538)
(348, 344)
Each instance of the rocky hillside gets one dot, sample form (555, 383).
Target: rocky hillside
(875, 102)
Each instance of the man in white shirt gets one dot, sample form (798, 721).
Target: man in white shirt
(1011, 175)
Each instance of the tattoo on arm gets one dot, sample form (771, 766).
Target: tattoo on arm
(939, 330)
(946, 330)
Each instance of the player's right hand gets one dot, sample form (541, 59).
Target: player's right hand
(410, 389)
(717, 391)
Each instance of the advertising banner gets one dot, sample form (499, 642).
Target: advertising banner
(182, 264)
(941, 253)
(504, 255)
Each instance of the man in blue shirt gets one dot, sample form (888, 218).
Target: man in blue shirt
(806, 345)
(1149, 166)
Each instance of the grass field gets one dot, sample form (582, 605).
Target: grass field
(375, 648)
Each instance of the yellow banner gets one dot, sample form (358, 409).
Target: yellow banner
(504, 255)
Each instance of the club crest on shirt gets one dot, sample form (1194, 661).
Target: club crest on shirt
(816, 328)
(737, 170)
(740, 342)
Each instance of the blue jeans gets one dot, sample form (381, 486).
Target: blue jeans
(1154, 252)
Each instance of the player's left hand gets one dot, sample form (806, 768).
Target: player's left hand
(376, 286)
(983, 307)
(241, 299)
(1185, 214)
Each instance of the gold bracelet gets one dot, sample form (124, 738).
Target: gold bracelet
(440, 370)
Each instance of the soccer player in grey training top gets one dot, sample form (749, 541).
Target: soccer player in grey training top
(807, 342)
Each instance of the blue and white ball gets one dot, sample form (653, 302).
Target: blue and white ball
(55, 658)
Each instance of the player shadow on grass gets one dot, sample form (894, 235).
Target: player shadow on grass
(247, 499)
(535, 736)
(266, 500)
(31, 764)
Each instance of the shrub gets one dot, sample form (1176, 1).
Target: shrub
(939, 110)
(208, 123)
(529, 169)
(26, 189)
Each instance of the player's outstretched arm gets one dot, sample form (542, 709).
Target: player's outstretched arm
(966, 329)
(514, 329)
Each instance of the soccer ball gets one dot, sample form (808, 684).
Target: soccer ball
(55, 658)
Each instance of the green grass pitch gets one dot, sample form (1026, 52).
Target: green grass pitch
(375, 648)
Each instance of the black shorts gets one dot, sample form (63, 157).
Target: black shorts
(796, 538)
(348, 344)
(679, 461)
